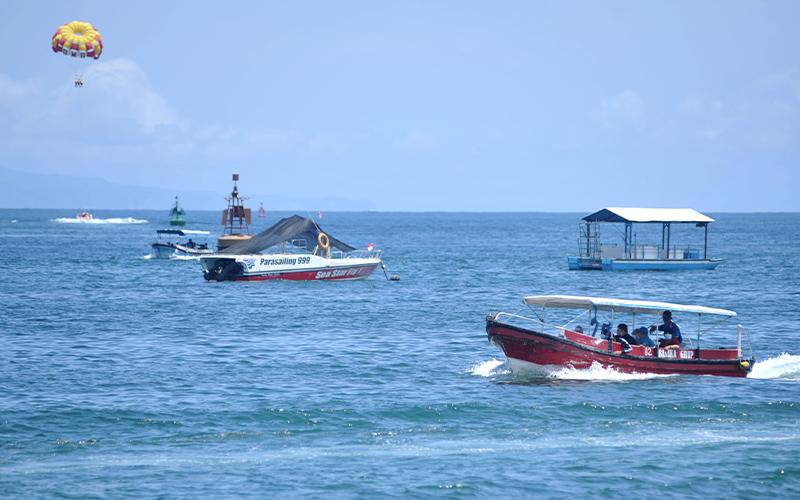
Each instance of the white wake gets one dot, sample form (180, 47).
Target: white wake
(184, 257)
(112, 220)
(489, 368)
(783, 366)
(598, 372)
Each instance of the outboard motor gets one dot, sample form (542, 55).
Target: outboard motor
(223, 270)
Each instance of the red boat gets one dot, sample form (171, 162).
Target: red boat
(534, 346)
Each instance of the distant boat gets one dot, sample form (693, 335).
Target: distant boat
(171, 244)
(84, 217)
(261, 212)
(177, 217)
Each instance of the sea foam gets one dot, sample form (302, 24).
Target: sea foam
(783, 366)
(112, 220)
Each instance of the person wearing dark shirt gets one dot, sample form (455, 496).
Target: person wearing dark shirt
(625, 338)
(672, 333)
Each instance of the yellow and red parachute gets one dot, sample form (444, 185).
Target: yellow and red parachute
(78, 39)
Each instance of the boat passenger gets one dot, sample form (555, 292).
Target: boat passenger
(672, 333)
(622, 334)
(642, 337)
(579, 329)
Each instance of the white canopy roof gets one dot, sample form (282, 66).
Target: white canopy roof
(620, 214)
(619, 305)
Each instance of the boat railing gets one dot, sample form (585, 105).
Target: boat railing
(742, 332)
(526, 322)
(356, 254)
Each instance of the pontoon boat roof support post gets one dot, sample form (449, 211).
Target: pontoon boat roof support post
(628, 237)
(663, 235)
(668, 231)
(705, 242)
(588, 237)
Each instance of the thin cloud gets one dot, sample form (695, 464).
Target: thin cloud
(627, 105)
(13, 93)
(123, 85)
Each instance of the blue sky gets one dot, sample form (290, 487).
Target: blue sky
(430, 105)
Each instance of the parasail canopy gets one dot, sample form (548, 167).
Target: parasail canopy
(78, 39)
(288, 229)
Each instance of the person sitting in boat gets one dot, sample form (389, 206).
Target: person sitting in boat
(625, 338)
(672, 333)
(642, 338)
(190, 243)
(579, 329)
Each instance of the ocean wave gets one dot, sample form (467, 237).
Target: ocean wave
(184, 257)
(785, 366)
(112, 220)
(489, 368)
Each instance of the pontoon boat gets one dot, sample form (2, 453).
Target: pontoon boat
(634, 254)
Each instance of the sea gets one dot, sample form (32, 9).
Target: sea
(127, 377)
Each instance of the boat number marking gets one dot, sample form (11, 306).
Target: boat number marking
(674, 354)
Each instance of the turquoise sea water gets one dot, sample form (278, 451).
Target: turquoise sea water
(127, 377)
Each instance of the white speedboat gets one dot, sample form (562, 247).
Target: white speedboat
(84, 217)
(293, 249)
(180, 243)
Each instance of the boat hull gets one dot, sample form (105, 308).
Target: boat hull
(285, 267)
(162, 250)
(171, 250)
(584, 264)
(537, 351)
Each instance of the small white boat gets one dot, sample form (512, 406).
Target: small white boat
(171, 244)
(84, 217)
(293, 249)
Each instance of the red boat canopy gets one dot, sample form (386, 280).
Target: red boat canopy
(619, 305)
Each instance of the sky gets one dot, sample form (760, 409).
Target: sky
(417, 105)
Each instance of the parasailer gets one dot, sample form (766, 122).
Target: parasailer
(78, 39)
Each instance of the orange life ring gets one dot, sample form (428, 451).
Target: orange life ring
(323, 241)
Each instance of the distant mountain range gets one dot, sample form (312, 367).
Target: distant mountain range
(35, 190)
